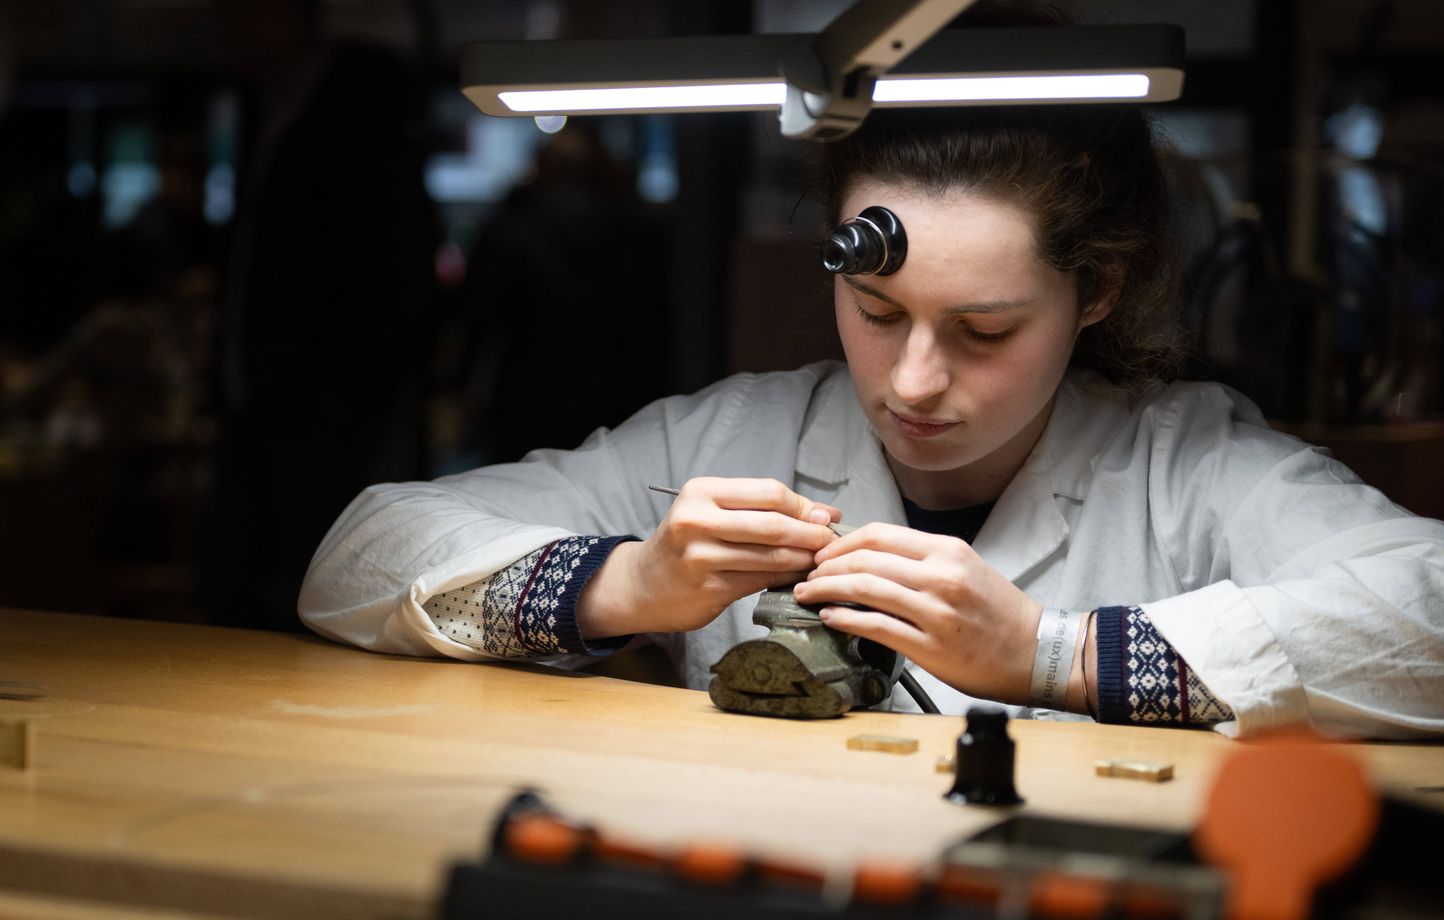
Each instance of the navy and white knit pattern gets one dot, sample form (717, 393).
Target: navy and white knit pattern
(528, 609)
(1143, 680)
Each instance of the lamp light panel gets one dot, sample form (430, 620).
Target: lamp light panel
(741, 72)
(894, 91)
(632, 98)
(1021, 88)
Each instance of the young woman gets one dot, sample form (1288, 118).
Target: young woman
(1000, 430)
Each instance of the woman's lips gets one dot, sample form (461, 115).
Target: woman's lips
(918, 427)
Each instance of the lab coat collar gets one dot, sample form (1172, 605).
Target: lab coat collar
(1026, 526)
(1086, 417)
(841, 454)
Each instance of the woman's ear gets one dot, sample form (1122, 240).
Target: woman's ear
(1105, 297)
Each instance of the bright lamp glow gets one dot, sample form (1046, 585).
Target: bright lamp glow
(698, 73)
(646, 97)
(889, 90)
(1064, 86)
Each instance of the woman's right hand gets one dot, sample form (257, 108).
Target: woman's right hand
(722, 540)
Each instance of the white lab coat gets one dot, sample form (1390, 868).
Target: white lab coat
(1295, 592)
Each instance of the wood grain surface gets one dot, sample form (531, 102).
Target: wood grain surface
(233, 773)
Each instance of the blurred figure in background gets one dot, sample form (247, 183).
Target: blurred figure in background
(326, 306)
(564, 304)
(128, 372)
(106, 420)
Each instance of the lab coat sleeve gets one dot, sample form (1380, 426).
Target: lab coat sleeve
(1309, 596)
(398, 544)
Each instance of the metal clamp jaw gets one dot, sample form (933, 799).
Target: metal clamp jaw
(802, 669)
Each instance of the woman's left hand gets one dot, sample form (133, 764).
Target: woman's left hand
(933, 599)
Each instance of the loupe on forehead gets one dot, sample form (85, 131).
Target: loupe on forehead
(872, 243)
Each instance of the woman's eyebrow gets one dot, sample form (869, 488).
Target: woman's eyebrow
(991, 306)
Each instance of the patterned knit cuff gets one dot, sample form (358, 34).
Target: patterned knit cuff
(584, 560)
(529, 608)
(1148, 681)
(1108, 627)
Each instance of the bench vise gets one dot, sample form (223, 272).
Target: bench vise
(802, 668)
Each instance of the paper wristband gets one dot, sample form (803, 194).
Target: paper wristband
(1053, 662)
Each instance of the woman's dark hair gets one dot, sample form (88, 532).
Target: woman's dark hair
(1089, 174)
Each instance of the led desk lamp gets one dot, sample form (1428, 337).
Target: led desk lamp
(885, 53)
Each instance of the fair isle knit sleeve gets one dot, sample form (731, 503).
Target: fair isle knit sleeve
(529, 608)
(1143, 681)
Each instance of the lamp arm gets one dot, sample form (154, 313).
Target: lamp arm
(831, 77)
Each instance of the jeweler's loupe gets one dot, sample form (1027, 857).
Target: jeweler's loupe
(872, 243)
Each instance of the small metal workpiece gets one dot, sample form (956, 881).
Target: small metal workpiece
(17, 744)
(887, 743)
(1134, 769)
(802, 669)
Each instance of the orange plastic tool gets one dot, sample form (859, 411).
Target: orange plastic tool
(1285, 815)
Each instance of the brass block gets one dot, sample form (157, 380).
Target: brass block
(17, 744)
(888, 743)
(1134, 769)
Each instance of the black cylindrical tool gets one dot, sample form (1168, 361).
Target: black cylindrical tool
(984, 761)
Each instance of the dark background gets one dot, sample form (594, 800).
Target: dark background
(224, 308)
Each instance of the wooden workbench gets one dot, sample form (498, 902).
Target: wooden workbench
(220, 772)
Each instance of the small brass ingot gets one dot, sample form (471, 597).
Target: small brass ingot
(1134, 769)
(17, 744)
(886, 743)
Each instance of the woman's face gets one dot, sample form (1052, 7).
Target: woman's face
(956, 357)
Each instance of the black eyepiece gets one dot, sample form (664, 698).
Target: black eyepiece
(872, 243)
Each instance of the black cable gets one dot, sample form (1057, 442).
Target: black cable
(919, 695)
